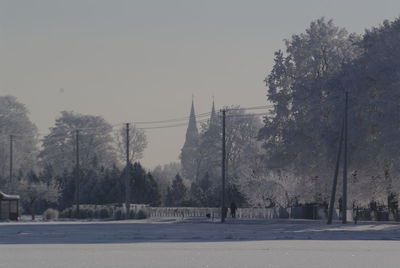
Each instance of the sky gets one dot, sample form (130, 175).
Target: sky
(131, 61)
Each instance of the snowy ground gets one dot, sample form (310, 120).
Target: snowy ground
(198, 243)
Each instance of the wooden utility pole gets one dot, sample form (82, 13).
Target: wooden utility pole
(333, 193)
(127, 184)
(11, 164)
(344, 198)
(223, 209)
(78, 174)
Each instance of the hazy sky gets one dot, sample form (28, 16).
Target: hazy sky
(143, 60)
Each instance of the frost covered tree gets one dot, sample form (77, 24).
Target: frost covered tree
(204, 191)
(242, 150)
(95, 143)
(302, 132)
(268, 188)
(373, 82)
(164, 175)
(14, 121)
(33, 191)
(306, 87)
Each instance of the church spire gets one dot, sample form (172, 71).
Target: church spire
(192, 131)
(213, 117)
(189, 150)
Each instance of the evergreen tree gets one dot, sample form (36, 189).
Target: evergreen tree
(138, 184)
(203, 192)
(152, 191)
(176, 194)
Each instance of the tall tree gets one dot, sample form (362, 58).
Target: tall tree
(242, 149)
(373, 82)
(14, 121)
(302, 132)
(95, 143)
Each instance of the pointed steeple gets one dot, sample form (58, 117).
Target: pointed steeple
(213, 117)
(189, 149)
(192, 132)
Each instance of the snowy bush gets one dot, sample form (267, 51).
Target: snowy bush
(267, 189)
(50, 214)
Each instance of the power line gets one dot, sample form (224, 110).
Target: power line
(172, 120)
(170, 126)
(247, 115)
(102, 127)
(157, 124)
(262, 107)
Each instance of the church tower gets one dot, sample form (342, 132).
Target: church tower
(188, 153)
(192, 133)
(213, 117)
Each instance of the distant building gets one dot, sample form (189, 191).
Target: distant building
(9, 207)
(190, 161)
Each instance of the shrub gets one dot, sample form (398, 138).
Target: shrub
(50, 214)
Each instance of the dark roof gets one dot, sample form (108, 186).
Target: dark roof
(4, 196)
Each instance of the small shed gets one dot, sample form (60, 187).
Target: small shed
(9, 206)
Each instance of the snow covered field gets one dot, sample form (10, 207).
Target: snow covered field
(198, 243)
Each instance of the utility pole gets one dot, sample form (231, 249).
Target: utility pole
(78, 173)
(127, 184)
(223, 209)
(344, 198)
(11, 163)
(332, 201)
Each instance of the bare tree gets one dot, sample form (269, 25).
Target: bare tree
(137, 143)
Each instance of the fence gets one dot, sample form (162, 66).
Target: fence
(301, 212)
(183, 212)
(312, 212)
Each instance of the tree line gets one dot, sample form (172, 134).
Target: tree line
(307, 87)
